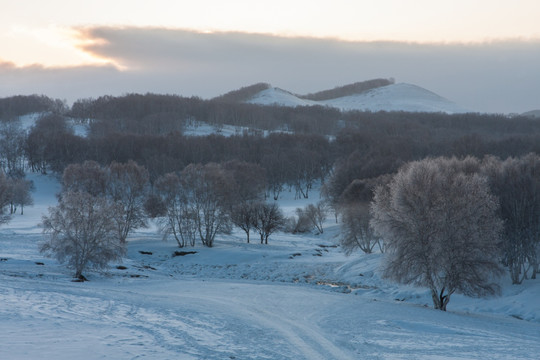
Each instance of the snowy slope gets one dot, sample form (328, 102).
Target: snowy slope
(395, 97)
(534, 114)
(277, 96)
(297, 298)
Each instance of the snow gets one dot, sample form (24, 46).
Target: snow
(297, 298)
(277, 96)
(397, 97)
(394, 97)
(80, 128)
(200, 128)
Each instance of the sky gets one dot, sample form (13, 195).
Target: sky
(484, 55)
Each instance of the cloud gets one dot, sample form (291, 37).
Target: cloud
(502, 76)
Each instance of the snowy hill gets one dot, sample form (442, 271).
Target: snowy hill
(534, 114)
(394, 97)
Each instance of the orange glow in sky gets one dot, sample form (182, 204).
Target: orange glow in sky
(44, 32)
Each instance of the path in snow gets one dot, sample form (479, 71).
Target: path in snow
(185, 319)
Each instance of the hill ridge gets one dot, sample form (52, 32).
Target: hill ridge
(346, 90)
(391, 97)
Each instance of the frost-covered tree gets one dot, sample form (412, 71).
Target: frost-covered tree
(82, 232)
(441, 229)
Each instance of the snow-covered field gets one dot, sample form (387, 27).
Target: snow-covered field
(395, 97)
(297, 298)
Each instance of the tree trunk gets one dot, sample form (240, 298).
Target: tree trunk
(440, 300)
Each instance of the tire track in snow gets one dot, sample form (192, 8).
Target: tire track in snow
(307, 339)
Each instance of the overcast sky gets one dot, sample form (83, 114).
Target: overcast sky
(484, 55)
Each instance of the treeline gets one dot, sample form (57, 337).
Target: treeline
(163, 114)
(160, 114)
(289, 160)
(352, 145)
(14, 106)
(242, 94)
(351, 89)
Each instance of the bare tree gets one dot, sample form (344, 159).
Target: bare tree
(52, 144)
(249, 180)
(12, 141)
(356, 232)
(20, 194)
(207, 191)
(243, 215)
(82, 232)
(278, 167)
(248, 186)
(516, 181)
(198, 203)
(5, 198)
(316, 215)
(178, 220)
(310, 217)
(87, 177)
(269, 218)
(441, 230)
(126, 186)
(299, 224)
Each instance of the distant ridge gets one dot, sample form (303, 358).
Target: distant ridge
(371, 95)
(396, 97)
(243, 94)
(392, 97)
(346, 90)
(535, 114)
